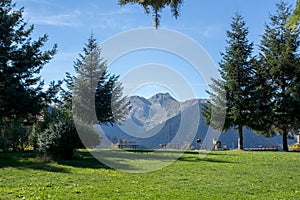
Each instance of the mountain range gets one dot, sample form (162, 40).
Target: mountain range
(152, 123)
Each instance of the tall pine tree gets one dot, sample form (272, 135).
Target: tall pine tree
(22, 94)
(279, 60)
(94, 90)
(233, 92)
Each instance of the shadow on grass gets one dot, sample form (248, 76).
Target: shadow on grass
(83, 160)
(206, 159)
(28, 160)
(134, 160)
(212, 152)
(136, 155)
(33, 160)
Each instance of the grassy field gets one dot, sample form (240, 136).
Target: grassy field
(220, 175)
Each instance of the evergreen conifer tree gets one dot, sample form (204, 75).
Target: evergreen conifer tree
(279, 60)
(95, 90)
(22, 94)
(233, 92)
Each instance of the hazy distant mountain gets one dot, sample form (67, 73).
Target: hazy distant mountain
(161, 118)
(149, 113)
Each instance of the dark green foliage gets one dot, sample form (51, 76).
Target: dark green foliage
(66, 94)
(16, 136)
(261, 108)
(156, 6)
(215, 110)
(279, 60)
(33, 135)
(111, 107)
(96, 94)
(233, 92)
(4, 143)
(21, 60)
(40, 126)
(58, 135)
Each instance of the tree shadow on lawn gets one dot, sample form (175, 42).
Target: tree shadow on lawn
(28, 160)
(206, 159)
(132, 160)
(213, 153)
(84, 159)
(136, 155)
(35, 161)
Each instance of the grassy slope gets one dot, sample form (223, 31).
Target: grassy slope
(220, 175)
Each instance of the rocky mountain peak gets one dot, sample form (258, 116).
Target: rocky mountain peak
(162, 98)
(156, 110)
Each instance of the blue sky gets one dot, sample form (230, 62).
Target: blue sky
(70, 22)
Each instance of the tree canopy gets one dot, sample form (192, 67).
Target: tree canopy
(156, 6)
(22, 94)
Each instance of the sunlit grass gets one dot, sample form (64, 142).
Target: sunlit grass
(220, 175)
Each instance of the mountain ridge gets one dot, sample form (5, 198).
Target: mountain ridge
(160, 118)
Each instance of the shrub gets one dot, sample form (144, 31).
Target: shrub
(4, 143)
(33, 135)
(16, 136)
(58, 135)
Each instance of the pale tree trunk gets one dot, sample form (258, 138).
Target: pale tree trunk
(240, 139)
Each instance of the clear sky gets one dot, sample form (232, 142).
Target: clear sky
(70, 22)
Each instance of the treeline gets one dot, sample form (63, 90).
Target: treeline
(261, 92)
(27, 119)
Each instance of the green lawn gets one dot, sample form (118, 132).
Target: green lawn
(220, 175)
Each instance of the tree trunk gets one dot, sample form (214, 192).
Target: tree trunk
(240, 139)
(285, 141)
